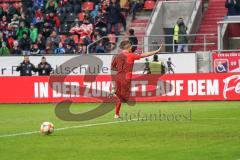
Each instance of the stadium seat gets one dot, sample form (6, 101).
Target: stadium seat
(16, 5)
(81, 16)
(87, 6)
(149, 4)
(5, 6)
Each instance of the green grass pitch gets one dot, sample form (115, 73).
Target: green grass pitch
(202, 131)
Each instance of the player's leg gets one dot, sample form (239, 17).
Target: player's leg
(172, 70)
(169, 70)
(179, 49)
(118, 107)
(118, 98)
(185, 48)
(122, 94)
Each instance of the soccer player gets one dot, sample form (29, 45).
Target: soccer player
(170, 66)
(123, 64)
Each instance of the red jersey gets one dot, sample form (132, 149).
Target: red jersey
(123, 64)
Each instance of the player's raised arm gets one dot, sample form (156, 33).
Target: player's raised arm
(147, 54)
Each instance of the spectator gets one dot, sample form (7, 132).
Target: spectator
(44, 68)
(133, 39)
(123, 21)
(170, 66)
(113, 12)
(35, 17)
(34, 49)
(100, 47)
(134, 7)
(80, 49)
(94, 13)
(176, 34)
(47, 30)
(38, 18)
(75, 5)
(182, 38)
(4, 51)
(124, 4)
(26, 67)
(33, 33)
(11, 10)
(155, 66)
(14, 21)
(101, 24)
(22, 29)
(3, 24)
(76, 21)
(51, 6)
(233, 7)
(53, 19)
(96, 35)
(60, 49)
(25, 44)
(27, 18)
(65, 7)
(2, 12)
(1, 39)
(38, 4)
(27, 5)
(147, 68)
(16, 50)
(69, 40)
(41, 43)
(54, 40)
(86, 31)
(10, 34)
(69, 49)
(48, 49)
(76, 29)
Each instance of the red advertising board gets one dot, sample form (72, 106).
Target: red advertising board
(226, 62)
(176, 87)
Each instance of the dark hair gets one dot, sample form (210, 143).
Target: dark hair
(155, 58)
(43, 57)
(131, 31)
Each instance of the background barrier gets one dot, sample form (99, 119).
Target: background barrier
(226, 62)
(64, 65)
(177, 87)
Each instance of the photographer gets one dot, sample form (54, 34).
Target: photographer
(26, 67)
(44, 68)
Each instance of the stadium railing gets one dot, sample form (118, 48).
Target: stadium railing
(223, 28)
(156, 44)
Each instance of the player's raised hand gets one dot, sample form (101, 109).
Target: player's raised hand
(160, 48)
(147, 54)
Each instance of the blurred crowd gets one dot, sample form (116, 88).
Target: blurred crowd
(32, 27)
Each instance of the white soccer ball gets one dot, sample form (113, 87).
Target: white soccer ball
(47, 128)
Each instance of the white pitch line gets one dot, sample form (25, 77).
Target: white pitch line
(19, 134)
(83, 126)
(219, 118)
(64, 128)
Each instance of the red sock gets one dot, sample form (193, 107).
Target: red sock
(118, 107)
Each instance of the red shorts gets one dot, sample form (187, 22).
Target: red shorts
(123, 89)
